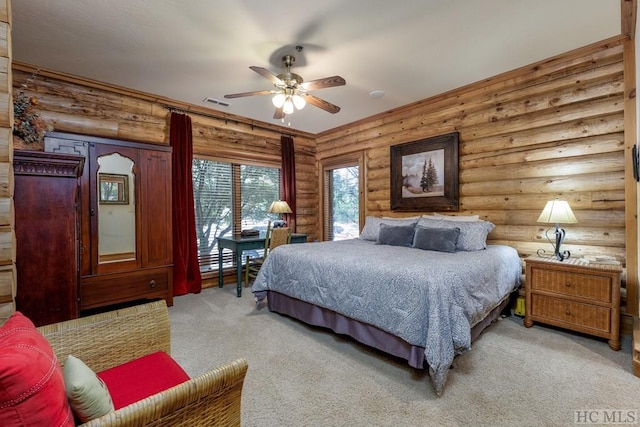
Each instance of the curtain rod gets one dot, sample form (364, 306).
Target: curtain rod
(172, 108)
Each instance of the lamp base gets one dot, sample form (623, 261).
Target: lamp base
(559, 238)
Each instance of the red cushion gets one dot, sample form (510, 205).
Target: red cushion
(31, 384)
(141, 378)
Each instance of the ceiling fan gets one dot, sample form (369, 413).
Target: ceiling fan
(291, 90)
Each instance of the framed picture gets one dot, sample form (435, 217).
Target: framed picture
(114, 189)
(424, 174)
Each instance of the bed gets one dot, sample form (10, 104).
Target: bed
(425, 306)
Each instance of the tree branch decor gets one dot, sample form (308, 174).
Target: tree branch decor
(27, 124)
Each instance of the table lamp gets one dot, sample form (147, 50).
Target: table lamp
(558, 212)
(280, 207)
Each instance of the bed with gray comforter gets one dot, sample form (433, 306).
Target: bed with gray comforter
(428, 299)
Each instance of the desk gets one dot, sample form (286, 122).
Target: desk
(238, 245)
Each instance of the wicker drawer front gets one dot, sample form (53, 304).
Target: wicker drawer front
(571, 312)
(595, 288)
(115, 288)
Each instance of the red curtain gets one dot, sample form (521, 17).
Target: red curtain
(186, 270)
(288, 175)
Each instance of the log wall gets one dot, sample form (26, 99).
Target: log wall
(7, 230)
(552, 129)
(76, 105)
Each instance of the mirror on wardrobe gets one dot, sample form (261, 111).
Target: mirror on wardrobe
(116, 209)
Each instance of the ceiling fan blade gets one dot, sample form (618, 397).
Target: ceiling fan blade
(268, 75)
(278, 114)
(323, 83)
(257, 92)
(321, 103)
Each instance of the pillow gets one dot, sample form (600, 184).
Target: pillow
(395, 235)
(143, 377)
(87, 394)
(436, 239)
(473, 234)
(371, 227)
(31, 384)
(456, 217)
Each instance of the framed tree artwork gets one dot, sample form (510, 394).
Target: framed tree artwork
(424, 174)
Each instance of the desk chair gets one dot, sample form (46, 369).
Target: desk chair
(274, 238)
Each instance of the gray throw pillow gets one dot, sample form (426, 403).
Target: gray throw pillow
(436, 239)
(473, 234)
(395, 235)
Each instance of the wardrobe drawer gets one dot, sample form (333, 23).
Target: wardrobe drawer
(96, 291)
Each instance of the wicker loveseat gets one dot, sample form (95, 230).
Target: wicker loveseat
(106, 340)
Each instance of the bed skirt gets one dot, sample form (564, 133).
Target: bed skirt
(365, 333)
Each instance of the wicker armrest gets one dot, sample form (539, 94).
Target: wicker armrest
(212, 399)
(110, 339)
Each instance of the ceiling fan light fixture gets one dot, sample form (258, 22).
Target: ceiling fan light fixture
(287, 108)
(278, 100)
(299, 101)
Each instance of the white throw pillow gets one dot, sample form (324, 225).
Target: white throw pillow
(88, 395)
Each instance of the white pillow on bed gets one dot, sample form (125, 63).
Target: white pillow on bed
(371, 229)
(473, 234)
(456, 217)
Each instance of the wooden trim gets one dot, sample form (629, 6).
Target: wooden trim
(44, 164)
(350, 159)
(628, 18)
(631, 186)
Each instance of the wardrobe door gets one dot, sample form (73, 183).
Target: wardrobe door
(46, 201)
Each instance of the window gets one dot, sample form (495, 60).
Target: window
(341, 198)
(230, 197)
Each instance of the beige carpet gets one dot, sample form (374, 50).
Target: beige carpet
(305, 376)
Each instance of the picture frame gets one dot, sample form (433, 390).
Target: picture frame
(424, 174)
(113, 189)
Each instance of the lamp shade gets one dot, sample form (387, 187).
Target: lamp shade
(299, 101)
(557, 212)
(278, 100)
(280, 207)
(287, 107)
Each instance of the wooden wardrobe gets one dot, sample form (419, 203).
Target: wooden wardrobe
(47, 221)
(126, 243)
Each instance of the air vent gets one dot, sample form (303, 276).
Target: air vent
(216, 102)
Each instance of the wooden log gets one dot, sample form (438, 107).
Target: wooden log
(575, 235)
(379, 174)
(379, 195)
(601, 163)
(7, 282)
(542, 151)
(589, 126)
(528, 248)
(586, 218)
(81, 124)
(613, 200)
(553, 184)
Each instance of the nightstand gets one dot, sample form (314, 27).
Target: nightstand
(575, 295)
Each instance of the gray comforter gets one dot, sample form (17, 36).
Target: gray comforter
(429, 299)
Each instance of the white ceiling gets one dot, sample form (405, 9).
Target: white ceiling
(411, 49)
